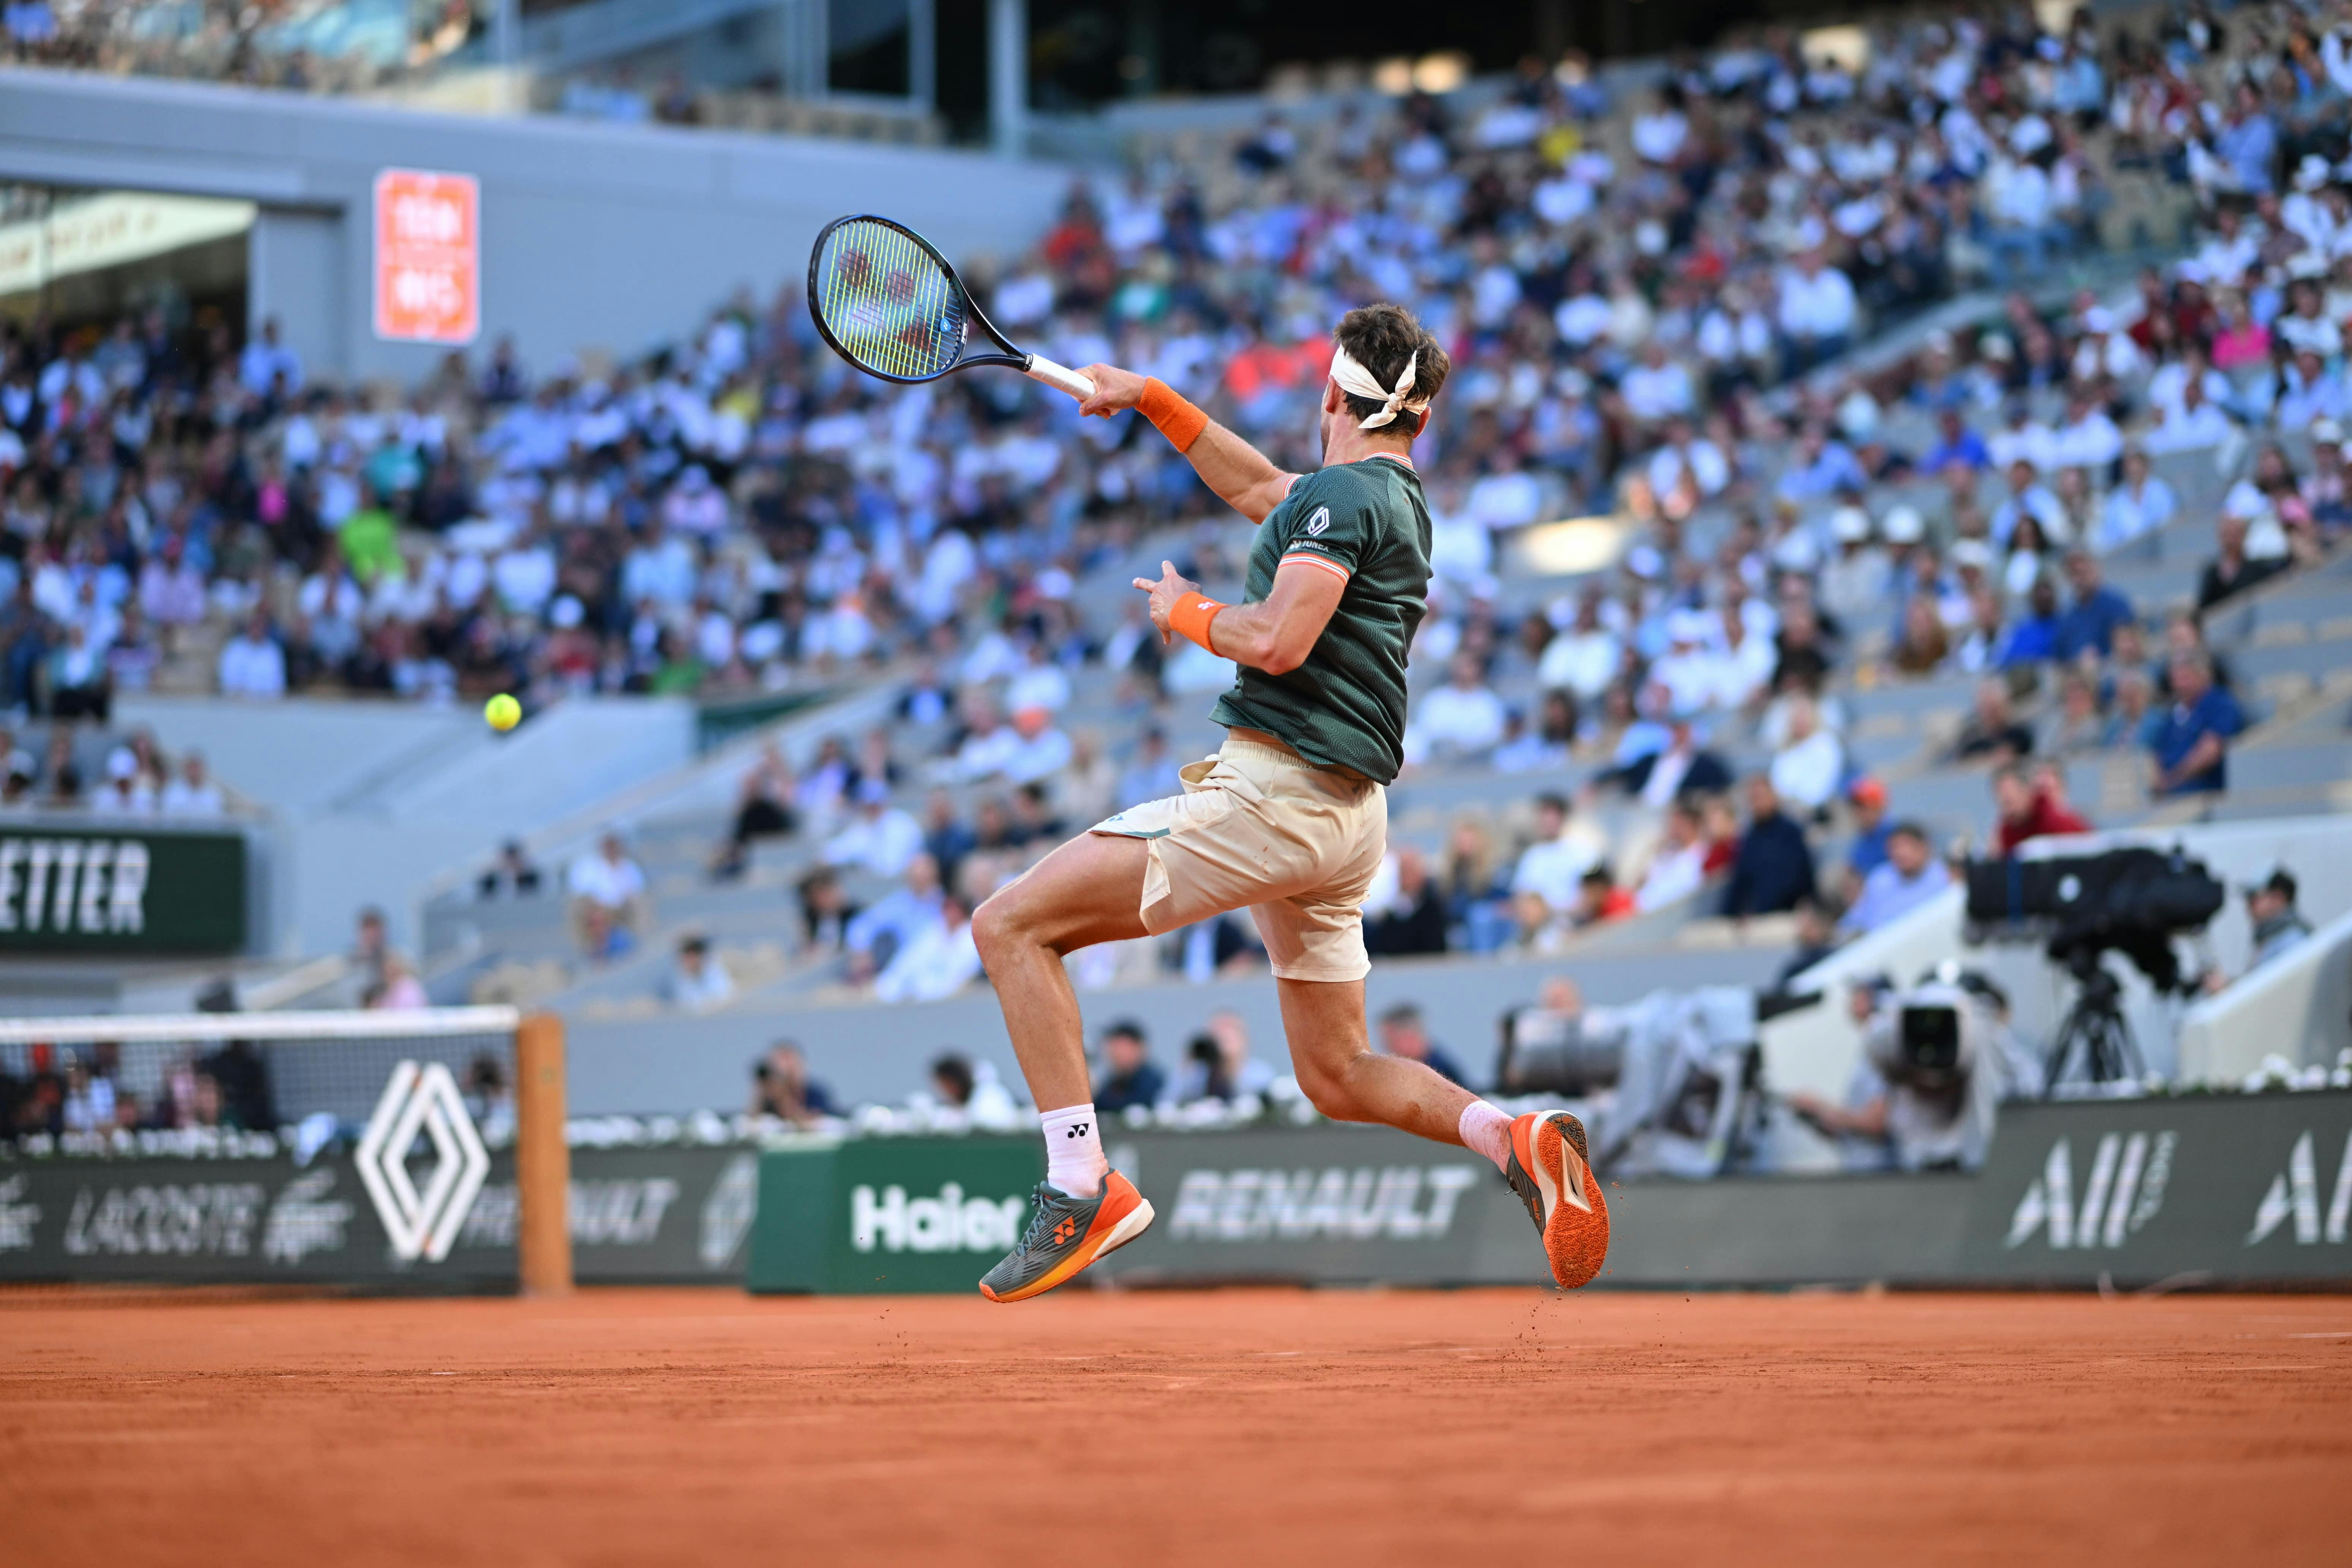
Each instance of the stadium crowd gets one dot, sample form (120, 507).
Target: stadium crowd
(1637, 294)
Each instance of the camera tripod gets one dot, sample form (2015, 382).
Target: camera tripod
(2094, 1023)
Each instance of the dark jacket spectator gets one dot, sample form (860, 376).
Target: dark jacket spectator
(1774, 867)
(1134, 1079)
(2231, 571)
(1415, 920)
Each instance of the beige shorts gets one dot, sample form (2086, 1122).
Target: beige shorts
(1261, 828)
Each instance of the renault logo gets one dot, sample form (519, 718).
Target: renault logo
(422, 1099)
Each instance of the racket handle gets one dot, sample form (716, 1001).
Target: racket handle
(1053, 375)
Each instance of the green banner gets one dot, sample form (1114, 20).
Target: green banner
(121, 891)
(890, 1216)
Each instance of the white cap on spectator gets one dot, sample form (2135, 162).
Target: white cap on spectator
(1688, 626)
(1903, 524)
(121, 764)
(2098, 319)
(1644, 561)
(1971, 553)
(566, 612)
(2326, 431)
(2312, 173)
(1849, 525)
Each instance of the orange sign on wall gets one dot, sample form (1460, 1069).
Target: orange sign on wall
(428, 257)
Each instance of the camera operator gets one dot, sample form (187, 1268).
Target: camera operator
(1936, 1061)
(2279, 926)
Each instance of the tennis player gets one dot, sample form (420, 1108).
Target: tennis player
(1289, 820)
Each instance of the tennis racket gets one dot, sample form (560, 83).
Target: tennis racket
(887, 302)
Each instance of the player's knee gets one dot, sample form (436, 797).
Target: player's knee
(1330, 1090)
(997, 925)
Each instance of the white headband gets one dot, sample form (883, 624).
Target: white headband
(1357, 381)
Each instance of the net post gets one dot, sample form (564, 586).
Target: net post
(542, 1161)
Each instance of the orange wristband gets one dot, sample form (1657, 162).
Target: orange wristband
(1192, 613)
(1171, 415)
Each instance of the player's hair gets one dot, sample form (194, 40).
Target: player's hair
(1382, 338)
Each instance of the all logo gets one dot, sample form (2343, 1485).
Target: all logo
(2295, 1194)
(1319, 521)
(1407, 1202)
(2122, 1191)
(421, 1100)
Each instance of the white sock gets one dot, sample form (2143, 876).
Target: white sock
(1487, 1130)
(1074, 1157)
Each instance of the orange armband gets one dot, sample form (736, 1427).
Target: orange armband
(1191, 616)
(1171, 415)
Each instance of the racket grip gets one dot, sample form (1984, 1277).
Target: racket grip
(1053, 375)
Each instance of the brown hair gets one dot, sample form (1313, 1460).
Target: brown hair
(1382, 338)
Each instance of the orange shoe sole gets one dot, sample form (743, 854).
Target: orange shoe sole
(1576, 1215)
(1124, 1215)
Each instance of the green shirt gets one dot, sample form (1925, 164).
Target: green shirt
(1345, 706)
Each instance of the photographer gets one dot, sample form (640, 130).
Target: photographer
(1936, 1061)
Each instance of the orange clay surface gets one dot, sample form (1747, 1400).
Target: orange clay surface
(1225, 1428)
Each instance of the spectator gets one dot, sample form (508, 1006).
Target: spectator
(936, 962)
(881, 838)
(1911, 877)
(1774, 865)
(2231, 571)
(1808, 767)
(1816, 940)
(2027, 810)
(698, 981)
(1599, 900)
(251, 663)
(1678, 866)
(1130, 1078)
(511, 876)
(2139, 506)
(763, 809)
(782, 1087)
(1411, 920)
(1993, 729)
(193, 794)
(1404, 1034)
(1681, 766)
(1866, 797)
(1462, 718)
(876, 934)
(125, 792)
(2091, 621)
(607, 889)
(2279, 927)
(2191, 740)
(1218, 1064)
(1551, 867)
(398, 990)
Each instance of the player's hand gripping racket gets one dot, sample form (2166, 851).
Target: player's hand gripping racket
(887, 302)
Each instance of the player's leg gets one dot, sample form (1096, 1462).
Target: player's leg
(1315, 941)
(1342, 1076)
(1089, 890)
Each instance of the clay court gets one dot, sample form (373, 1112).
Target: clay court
(648, 1427)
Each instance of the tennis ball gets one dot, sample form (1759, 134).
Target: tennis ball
(503, 712)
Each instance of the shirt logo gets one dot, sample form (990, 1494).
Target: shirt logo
(1319, 521)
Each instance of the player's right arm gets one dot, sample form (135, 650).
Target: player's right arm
(1243, 477)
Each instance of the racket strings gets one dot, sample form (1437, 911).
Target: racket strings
(889, 304)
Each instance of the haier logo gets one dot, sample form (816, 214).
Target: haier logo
(2295, 1191)
(2122, 1191)
(948, 1223)
(1408, 1202)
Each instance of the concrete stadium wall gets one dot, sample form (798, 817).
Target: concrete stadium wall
(593, 235)
(2298, 1007)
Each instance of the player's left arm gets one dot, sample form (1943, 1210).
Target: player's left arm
(1275, 634)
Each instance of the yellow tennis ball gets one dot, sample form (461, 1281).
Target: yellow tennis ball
(503, 712)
